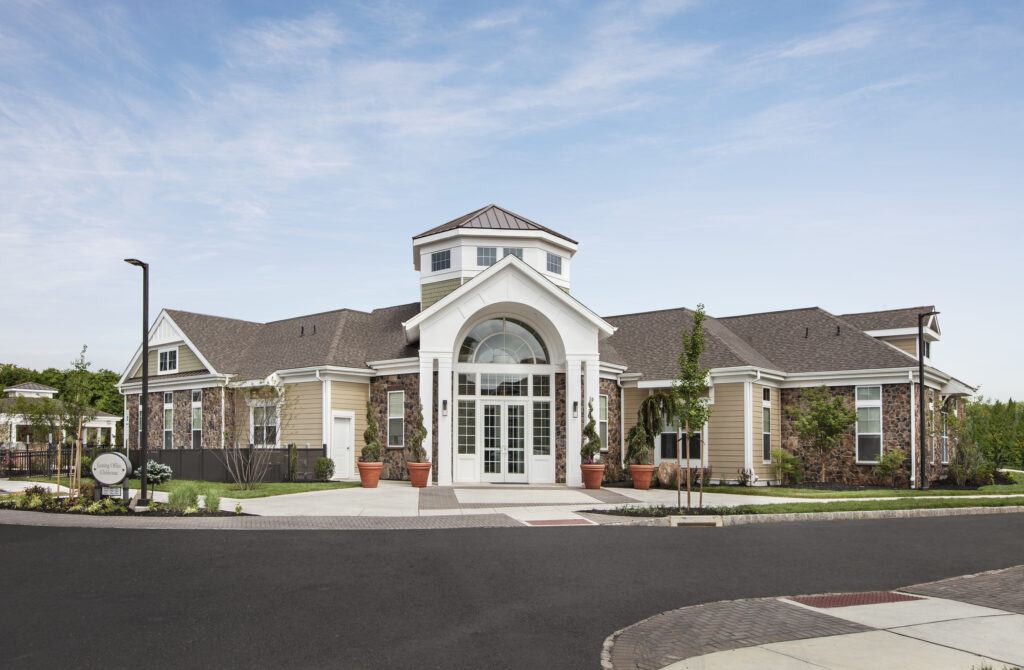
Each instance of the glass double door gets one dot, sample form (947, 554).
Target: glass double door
(504, 441)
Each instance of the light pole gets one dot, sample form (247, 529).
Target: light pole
(920, 378)
(143, 432)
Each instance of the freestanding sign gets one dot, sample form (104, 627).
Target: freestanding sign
(111, 470)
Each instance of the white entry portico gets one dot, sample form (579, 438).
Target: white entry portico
(513, 351)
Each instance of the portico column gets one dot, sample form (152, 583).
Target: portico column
(444, 423)
(573, 428)
(427, 403)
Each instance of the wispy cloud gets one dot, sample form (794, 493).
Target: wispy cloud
(847, 38)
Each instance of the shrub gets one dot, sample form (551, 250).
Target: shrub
(86, 466)
(238, 508)
(158, 473)
(968, 465)
(371, 437)
(293, 463)
(86, 490)
(889, 466)
(211, 502)
(591, 440)
(788, 467)
(183, 498)
(323, 469)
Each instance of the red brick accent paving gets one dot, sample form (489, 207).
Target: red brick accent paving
(851, 599)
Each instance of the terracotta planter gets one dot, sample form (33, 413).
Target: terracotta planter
(592, 475)
(369, 474)
(419, 473)
(641, 476)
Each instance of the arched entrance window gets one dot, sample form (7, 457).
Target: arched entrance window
(503, 341)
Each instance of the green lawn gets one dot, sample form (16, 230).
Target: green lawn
(226, 489)
(869, 505)
(786, 492)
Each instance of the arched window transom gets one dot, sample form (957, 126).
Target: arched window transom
(503, 341)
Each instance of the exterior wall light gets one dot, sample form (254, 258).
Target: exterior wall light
(575, 409)
(444, 408)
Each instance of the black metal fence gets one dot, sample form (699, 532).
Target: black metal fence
(201, 464)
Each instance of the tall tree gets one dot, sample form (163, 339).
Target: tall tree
(690, 388)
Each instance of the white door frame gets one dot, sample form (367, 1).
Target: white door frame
(504, 403)
(344, 466)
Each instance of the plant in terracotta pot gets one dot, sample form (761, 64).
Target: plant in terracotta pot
(592, 469)
(638, 456)
(416, 458)
(369, 458)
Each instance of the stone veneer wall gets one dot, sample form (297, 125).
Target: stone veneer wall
(613, 470)
(559, 427)
(394, 459)
(182, 419)
(211, 417)
(840, 463)
(433, 433)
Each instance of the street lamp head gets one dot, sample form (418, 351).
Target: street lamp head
(136, 261)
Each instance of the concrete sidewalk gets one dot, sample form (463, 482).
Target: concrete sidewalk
(962, 623)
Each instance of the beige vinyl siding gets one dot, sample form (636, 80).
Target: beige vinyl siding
(187, 361)
(725, 431)
(906, 344)
(632, 397)
(302, 415)
(352, 397)
(762, 469)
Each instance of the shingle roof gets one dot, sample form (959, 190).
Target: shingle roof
(889, 319)
(345, 338)
(492, 217)
(30, 386)
(800, 340)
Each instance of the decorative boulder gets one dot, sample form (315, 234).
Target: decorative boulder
(667, 473)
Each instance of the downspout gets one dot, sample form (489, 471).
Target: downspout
(622, 423)
(223, 392)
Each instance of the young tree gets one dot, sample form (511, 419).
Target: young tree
(821, 420)
(371, 438)
(76, 408)
(690, 387)
(653, 411)
(270, 406)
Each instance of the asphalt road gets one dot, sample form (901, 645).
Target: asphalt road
(475, 598)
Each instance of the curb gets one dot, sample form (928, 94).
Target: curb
(747, 519)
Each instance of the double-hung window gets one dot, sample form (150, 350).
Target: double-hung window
(554, 263)
(869, 424)
(670, 439)
(168, 360)
(486, 256)
(396, 419)
(766, 424)
(440, 260)
(513, 251)
(602, 420)
(168, 421)
(197, 419)
(467, 427)
(264, 425)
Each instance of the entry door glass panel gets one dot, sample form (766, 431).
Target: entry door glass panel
(517, 439)
(492, 439)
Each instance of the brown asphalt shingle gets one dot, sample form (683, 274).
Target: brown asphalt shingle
(888, 319)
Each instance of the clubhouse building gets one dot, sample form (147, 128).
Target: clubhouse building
(505, 361)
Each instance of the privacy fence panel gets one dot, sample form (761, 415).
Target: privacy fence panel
(208, 464)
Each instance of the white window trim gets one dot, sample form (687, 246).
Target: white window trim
(766, 406)
(163, 416)
(510, 251)
(604, 445)
(389, 417)
(881, 427)
(550, 257)
(192, 418)
(945, 438)
(441, 251)
(163, 350)
(277, 417)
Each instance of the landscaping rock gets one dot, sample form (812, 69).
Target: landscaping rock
(667, 473)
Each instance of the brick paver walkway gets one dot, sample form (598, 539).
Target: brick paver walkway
(22, 518)
(703, 629)
(1001, 589)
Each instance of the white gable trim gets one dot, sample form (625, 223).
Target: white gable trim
(160, 319)
(510, 264)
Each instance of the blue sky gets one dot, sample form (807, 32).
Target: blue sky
(274, 159)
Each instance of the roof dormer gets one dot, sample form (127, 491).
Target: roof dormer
(453, 253)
